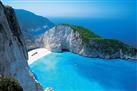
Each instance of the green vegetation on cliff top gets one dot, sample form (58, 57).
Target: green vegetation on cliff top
(85, 34)
(106, 45)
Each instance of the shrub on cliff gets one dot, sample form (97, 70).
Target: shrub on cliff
(9, 84)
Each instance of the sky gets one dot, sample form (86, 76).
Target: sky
(77, 8)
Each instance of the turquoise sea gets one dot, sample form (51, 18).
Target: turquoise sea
(71, 72)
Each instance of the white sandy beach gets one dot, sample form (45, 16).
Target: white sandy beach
(37, 54)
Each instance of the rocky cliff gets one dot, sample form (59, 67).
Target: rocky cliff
(79, 40)
(13, 53)
(33, 27)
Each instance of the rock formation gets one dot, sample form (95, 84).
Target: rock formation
(13, 53)
(33, 27)
(79, 40)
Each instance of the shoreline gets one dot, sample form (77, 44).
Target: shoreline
(36, 54)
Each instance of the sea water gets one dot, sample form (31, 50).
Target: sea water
(72, 72)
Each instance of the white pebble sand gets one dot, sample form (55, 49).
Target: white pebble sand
(37, 54)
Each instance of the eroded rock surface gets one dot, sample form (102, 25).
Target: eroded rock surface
(79, 40)
(13, 53)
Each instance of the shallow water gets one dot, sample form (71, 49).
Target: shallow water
(71, 72)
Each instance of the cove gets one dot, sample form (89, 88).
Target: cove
(71, 72)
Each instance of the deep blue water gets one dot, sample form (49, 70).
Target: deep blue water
(71, 72)
(123, 29)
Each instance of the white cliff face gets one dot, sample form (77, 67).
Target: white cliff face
(63, 38)
(13, 53)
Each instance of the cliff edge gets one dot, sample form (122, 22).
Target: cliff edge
(13, 53)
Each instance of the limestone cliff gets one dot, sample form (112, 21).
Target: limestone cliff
(79, 40)
(13, 53)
